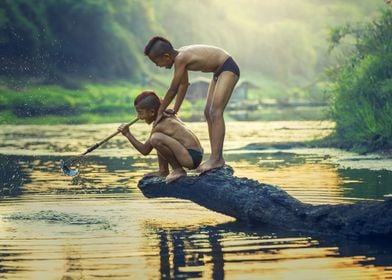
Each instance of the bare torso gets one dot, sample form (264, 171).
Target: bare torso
(203, 57)
(176, 129)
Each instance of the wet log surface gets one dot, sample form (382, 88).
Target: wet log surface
(261, 204)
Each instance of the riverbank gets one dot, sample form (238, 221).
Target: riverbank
(52, 104)
(326, 142)
(93, 103)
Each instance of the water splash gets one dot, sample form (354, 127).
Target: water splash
(50, 216)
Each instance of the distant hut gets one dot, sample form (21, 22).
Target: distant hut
(198, 89)
(241, 91)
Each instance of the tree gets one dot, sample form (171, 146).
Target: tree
(362, 93)
(87, 39)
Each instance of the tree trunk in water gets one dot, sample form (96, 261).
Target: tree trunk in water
(257, 203)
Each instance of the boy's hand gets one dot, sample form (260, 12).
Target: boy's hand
(170, 112)
(166, 113)
(124, 129)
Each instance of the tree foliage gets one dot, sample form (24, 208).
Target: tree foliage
(86, 38)
(284, 41)
(362, 103)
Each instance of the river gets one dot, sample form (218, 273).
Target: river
(99, 225)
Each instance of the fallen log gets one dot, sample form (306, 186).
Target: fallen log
(257, 203)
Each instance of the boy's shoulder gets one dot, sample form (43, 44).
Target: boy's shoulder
(172, 120)
(195, 46)
(168, 123)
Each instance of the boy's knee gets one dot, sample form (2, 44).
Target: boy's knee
(212, 113)
(215, 114)
(156, 139)
(207, 113)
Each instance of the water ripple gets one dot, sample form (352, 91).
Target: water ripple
(57, 217)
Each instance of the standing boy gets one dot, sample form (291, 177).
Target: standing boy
(202, 58)
(176, 145)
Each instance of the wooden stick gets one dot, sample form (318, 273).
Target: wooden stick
(96, 145)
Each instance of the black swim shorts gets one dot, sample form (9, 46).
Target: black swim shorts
(228, 65)
(197, 156)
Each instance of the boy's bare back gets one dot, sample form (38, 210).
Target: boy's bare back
(202, 58)
(173, 127)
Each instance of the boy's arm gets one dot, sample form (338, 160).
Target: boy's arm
(144, 149)
(179, 71)
(181, 93)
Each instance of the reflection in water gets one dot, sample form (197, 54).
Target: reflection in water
(366, 183)
(90, 235)
(99, 225)
(310, 178)
(214, 252)
(216, 255)
(31, 174)
(12, 175)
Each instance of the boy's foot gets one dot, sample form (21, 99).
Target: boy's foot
(176, 174)
(157, 173)
(210, 164)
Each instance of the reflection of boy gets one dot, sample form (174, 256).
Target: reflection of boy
(205, 59)
(175, 143)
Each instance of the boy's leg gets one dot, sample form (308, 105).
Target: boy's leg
(207, 108)
(163, 168)
(215, 107)
(174, 153)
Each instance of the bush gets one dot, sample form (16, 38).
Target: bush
(362, 93)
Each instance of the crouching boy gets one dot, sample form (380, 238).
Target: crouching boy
(176, 145)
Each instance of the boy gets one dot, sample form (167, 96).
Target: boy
(175, 144)
(205, 59)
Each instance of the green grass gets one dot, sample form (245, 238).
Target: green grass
(50, 104)
(91, 103)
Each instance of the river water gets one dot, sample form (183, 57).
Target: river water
(99, 225)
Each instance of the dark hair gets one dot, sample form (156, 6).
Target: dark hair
(147, 100)
(158, 46)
